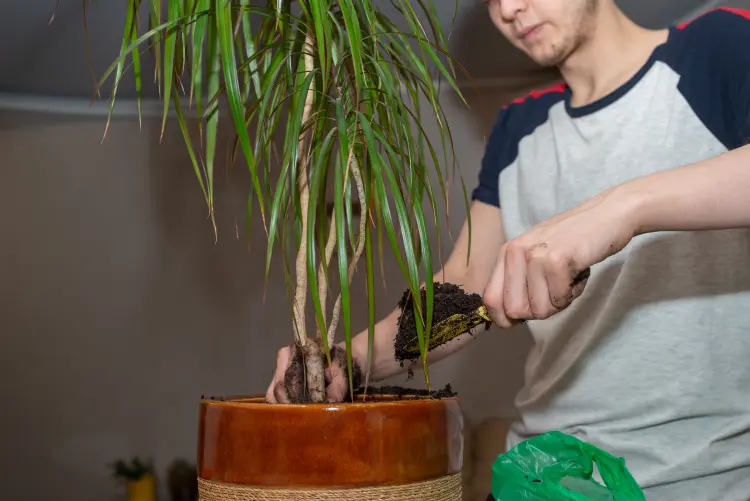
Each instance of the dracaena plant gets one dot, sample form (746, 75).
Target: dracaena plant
(345, 87)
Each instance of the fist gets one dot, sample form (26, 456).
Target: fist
(288, 384)
(542, 271)
(531, 282)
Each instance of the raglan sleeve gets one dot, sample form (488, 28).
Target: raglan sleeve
(714, 63)
(487, 189)
(734, 57)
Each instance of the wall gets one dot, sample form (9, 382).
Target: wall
(118, 310)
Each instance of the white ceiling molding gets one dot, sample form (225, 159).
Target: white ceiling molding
(710, 4)
(150, 108)
(124, 108)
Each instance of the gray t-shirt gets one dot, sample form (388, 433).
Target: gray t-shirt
(652, 363)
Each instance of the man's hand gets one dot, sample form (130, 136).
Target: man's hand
(535, 275)
(288, 381)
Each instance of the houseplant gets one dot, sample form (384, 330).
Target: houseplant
(138, 476)
(342, 86)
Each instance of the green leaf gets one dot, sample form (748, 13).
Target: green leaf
(290, 165)
(125, 49)
(199, 38)
(223, 16)
(370, 289)
(343, 258)
(136, 62)
(154, 21)
(250, 50)
(355, 40)
(214, 69)
(314, 207)
(189, 145)
(173, 13)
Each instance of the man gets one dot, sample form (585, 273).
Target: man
(645, 139)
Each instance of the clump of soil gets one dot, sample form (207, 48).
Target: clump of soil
(397, 393)
(448, 299)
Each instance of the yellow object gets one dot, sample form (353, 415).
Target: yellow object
(452, 327)
(143, 489)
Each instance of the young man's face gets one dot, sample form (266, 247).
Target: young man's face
(547, 30)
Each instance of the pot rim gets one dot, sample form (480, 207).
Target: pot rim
(259, 402)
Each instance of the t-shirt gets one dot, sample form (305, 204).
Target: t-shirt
(652, 362)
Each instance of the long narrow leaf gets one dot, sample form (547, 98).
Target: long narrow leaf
(170, 45)
(223, 20)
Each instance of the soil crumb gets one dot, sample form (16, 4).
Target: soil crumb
(448, 299)
(399, 393)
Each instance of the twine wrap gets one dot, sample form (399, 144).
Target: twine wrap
(446, 488)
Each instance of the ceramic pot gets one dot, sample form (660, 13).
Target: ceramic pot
(143, 489)
(406, 449)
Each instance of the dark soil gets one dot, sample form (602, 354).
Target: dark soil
(382, 394)
(448, 299)
(386, 393)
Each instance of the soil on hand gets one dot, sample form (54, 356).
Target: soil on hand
(448, 299)
(294, 378)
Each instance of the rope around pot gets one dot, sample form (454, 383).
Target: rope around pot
(446, 488)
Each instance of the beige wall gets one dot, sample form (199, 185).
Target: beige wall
(118, 310)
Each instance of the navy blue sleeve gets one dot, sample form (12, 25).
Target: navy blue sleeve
(735, 52)
(514, 122)
(493, 162)
(715, 70)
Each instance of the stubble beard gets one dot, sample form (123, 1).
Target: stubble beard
(583, 25)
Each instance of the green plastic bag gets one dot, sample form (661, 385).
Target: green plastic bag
(558, 467)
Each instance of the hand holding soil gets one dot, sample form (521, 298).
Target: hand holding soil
(542, 271)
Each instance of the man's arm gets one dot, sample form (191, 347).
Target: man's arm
(486, 240)
(709, 195)
(535, 275)
(487, 237)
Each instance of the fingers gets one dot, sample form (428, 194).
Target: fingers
(494, 293)
(294, 377)
(288, 381)
(276, 392)
(337, 382)
(564, 284)
(286, 386)
(531, 282)
(516, 293)
(580, 281)
(280, 394)
(540, 305)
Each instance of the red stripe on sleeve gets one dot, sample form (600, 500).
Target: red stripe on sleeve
(534, 94)
(740, 12)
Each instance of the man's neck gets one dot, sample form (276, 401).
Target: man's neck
(613, 53)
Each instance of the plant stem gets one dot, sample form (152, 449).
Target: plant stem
(322, 282)
(357, 176)
(310, 349)
(323, 267)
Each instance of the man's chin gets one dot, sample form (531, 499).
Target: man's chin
(548, 60)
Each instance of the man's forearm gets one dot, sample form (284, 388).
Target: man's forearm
(709, 195)
(487, 239)
(384, 364)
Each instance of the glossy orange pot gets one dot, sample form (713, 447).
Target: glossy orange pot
(401, 449)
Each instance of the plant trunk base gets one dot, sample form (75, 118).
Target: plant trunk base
(447, 488)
